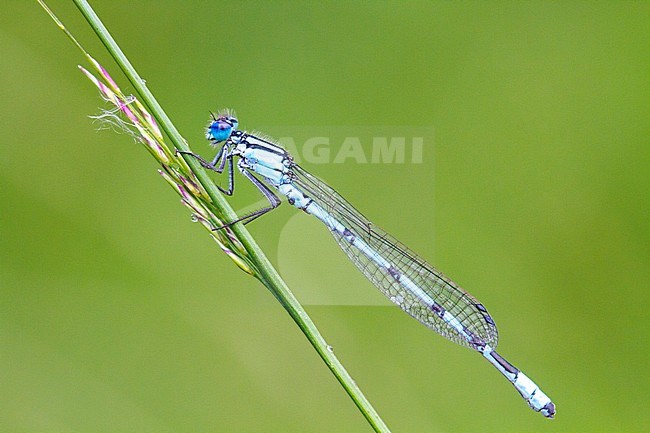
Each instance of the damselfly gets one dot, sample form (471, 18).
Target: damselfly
(406, 279)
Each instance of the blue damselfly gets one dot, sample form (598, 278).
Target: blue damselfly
(406, 279)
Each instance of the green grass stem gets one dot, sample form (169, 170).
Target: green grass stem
(264, 271)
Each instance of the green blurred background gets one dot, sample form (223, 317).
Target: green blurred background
(118, 314)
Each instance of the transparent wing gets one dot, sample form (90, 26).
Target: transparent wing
(463, 306)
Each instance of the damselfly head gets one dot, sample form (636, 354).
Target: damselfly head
(220, 127)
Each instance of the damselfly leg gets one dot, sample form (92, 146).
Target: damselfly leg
(222, 159)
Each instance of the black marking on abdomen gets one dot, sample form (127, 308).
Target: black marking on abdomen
(309, 201)
(550, 409)
(505, 364)
(348, 235)
(437, 308)
(394, 273)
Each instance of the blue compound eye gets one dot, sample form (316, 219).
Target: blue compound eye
(221, 128)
